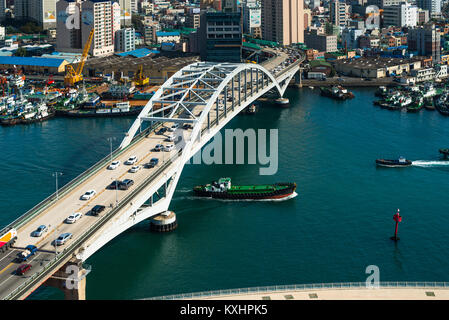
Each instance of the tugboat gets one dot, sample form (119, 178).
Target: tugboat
(222, 189)
(445, 152)
(401, 162)
(336, 92)
(416, 105)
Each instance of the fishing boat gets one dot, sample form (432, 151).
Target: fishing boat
(428, 104)
(223, 189)
(416, 105)
(401, 162)
(336, 92)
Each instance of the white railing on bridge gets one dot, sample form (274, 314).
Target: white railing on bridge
(304, 287)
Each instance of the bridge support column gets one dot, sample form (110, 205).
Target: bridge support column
(70, 279)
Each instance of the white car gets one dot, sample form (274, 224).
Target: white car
(174, 127)
(134, 169)
(89, 194)
(114, 165)
(171, 137)
(131, 160)
(74, 217)
(168, 147)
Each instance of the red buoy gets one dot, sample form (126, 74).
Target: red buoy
(397, 217)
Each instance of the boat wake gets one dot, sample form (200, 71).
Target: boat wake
(425, 163)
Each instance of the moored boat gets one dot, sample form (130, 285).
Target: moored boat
(336, 92)
(223, 189)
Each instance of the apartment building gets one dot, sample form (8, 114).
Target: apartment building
(339, 13)
(125, 40)
(426, 41)
(283, 21)
(104, 16)
(42, 12)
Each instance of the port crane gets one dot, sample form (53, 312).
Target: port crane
(139, 79)
(72, 77)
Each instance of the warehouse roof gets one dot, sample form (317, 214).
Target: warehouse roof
(32, 61)
(138, 53)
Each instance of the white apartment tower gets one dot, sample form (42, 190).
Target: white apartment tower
(339, 13)
(104, 16)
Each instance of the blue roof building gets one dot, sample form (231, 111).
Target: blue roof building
(34, 63)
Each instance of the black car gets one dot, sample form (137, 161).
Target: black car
(188, 126)
(97, 210)
(126, 184)
(153, 162)
(162, 130)
(114, 185)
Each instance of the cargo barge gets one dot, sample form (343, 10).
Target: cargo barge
(223, 189)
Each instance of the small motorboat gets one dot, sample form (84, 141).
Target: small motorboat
(401, 162)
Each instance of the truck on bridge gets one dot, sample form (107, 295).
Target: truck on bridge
(29, 251)
(8, 239)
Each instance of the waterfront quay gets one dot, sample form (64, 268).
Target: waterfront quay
(327, 291)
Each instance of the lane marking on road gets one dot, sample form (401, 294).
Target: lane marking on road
(4, 269)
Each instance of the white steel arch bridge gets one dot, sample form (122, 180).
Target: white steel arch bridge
(206, 96)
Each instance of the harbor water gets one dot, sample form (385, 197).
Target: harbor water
(340, 222)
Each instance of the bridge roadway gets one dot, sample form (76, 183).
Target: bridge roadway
(55, 214)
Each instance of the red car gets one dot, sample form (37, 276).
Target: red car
(23, 269)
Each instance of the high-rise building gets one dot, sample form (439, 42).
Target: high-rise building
(283, 21)
(401, 15)
(339, 13)
(2, 9)
(68, 26)
(83, 16)
(43, 12)
(321, 42)
(221, 32)
(125, 40)
(125, 12)
(384, 3)
(252, 17)
(104, 16)
(425, 40)
(434, 6)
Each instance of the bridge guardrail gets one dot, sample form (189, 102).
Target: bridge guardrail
(30, 214)
(67, 252)
(303, 287)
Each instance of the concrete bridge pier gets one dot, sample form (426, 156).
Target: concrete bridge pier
(70, 279)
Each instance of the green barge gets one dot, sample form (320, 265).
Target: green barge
(223, 189)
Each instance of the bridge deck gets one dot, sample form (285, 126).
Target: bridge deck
(54, 215)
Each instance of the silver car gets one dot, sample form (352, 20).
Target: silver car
(40, 231)
(62, 239)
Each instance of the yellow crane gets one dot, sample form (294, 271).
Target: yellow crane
(72, 77)
(139, 79)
